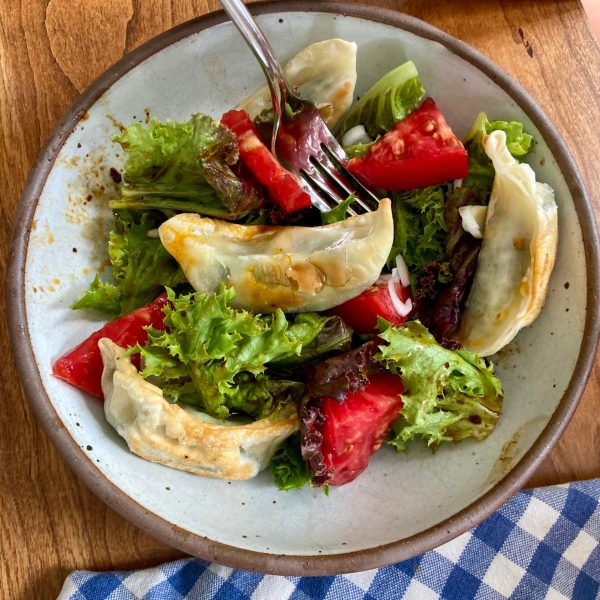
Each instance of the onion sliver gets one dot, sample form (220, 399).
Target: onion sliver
(356, 135)
(402, 308)
(402, 271)
(473, 219)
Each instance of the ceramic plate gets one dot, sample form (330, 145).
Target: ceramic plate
(404, 503)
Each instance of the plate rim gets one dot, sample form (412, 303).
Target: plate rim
(243, 558)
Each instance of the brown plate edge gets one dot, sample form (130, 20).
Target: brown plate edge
(248, 559)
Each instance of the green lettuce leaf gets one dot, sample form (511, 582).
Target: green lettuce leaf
(419, 228)
(217, 356)
(141, 268)
(319, 335)
(101, 296)
(287, 466)
(357, 149)
(393, 97)
(481, 170)
(519, 142)
(449, 395)
(337, 213)
(188, 166)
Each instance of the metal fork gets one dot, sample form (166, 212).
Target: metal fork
(301, 140)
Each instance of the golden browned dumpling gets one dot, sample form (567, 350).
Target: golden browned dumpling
(179, 436)
(297, 269)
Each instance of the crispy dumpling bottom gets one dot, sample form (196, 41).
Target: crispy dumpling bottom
(297, 269)
(181, 437)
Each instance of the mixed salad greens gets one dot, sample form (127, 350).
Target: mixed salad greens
(386, 366)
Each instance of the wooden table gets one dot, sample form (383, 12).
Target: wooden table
(50, 51)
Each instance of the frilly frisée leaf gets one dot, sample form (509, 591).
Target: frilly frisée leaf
(449, 395)
(216, 357)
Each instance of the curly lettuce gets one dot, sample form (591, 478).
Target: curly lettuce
(288, 468)
(216, 357)
(449, 395)
(419, 228)
(188, 166)
(481, 170)
(141, 268)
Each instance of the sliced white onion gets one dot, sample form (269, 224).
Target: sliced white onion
(473, 219)
(402, 271)
(457, 183)
(356, 135)
(402, 308)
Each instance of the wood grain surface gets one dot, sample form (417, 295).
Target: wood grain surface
(52, 50)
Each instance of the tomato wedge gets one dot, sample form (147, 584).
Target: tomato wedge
(421, 150)
(281, 185)
(361, 312)
(356, 428)
(82, 366)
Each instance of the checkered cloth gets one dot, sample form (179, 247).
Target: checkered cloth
(543, 543)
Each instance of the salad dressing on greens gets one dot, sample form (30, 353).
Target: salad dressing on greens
(249, 330)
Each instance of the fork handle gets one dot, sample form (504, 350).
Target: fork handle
(261, 48)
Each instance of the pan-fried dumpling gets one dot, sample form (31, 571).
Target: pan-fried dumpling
(297, 269)
(516, 257)
(324, 73)
(179, 436)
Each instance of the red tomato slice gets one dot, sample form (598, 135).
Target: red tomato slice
(82, 366)
(361, 312)
(420, 151)
(281, 185)
(355, 429)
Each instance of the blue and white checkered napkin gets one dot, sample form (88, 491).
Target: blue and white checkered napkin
(543, 543)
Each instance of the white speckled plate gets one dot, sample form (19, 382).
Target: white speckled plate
(404, 503)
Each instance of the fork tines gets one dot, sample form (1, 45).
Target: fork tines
(308, 149)
(327, 175)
